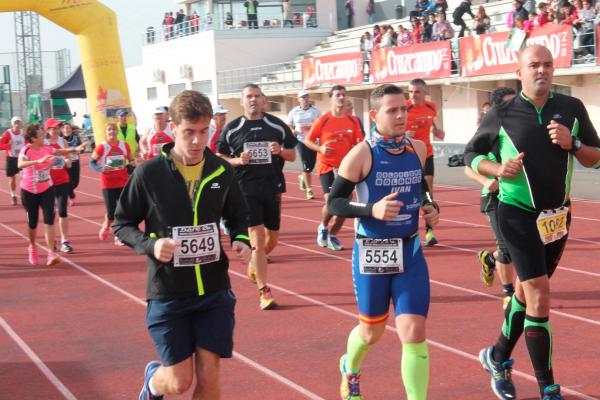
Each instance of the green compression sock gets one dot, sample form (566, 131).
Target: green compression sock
(356, 351)
(415, 370)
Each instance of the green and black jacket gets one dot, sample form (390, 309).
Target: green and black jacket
(157, 195)
(518, 126)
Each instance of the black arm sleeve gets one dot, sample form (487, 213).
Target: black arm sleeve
(130, 212)
(484, 139)
(235, 214)
(340, 203)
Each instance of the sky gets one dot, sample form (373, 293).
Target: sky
(134, 17)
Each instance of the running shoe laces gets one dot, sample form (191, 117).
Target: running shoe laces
(552, 392)
(350, 385)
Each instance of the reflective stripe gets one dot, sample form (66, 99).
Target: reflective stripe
(218, 172)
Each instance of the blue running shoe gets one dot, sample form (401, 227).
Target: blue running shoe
(501, 381)
(552, 392)
(322, 235)
(145, 394)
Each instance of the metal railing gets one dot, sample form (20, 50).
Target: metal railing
(284, 76)
(193, 26)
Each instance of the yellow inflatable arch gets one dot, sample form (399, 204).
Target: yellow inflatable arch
(101, 60)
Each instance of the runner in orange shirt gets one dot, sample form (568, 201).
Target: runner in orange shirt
(420, 125)
(336, 133)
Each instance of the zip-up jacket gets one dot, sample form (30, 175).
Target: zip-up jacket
(157, 195)
(518, 126)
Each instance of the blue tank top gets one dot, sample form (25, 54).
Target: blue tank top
(392, 173)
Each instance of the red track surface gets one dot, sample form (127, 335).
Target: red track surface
(77, 330)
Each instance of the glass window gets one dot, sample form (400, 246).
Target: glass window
(175, 89)
(203, 87)
(151, 93)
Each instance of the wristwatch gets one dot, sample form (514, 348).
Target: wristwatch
(575, 145)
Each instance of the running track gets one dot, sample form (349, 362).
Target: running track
(77, 330)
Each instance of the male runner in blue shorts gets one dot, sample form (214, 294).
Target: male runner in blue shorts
(387, 261)
(180, 195)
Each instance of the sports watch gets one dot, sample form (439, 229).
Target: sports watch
(575, 145)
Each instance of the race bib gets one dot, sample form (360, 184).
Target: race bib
(259, 152)
(380, 256)
(115, 162)
(156, 148)
(552, 224)
(41, 175)
(196, 245)
(74, 156)
(58, 163)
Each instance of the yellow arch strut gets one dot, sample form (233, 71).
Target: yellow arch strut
(101, 60)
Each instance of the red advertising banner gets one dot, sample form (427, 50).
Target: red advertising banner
(487, 54)
(337, 69)
(425, 60)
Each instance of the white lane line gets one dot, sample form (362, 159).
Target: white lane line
(261, 368)
(449, 285)
(37, 361)
(392, 329)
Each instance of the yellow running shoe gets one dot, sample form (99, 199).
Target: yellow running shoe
(487, 269)
(309, 194)
(267, 302)
(430, 239)
(350, 386)
(251, 274)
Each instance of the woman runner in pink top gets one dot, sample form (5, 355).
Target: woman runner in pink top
(36, 159)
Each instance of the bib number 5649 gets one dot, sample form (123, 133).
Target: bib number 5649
(192, 246)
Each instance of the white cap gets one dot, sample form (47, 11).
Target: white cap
(160, 110)
(15, 119)
(219, 109)
(302, 93)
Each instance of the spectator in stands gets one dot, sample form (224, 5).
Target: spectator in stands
(459, 12)
(252, 13)
(481, 22)
(228, 20)
(366, 42)
(387, 40)
(404, 36)
(417, 30)
(311, 20)
(441, 4)
(543, 17)
(517, 10)
(286, 9)
(587, 15)
(423, 7)
(194, 22)
(569, 14)
(427, 29)
(377, 35)
(518, 23)
(168, 25)
(349, 11)
(442, 30)
(371, 11)
(530, 23)
(179, 23)
(208, 20)
(529, 5)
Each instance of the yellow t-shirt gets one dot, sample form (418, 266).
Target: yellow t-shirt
(192, 175)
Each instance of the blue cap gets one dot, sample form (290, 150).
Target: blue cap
(122, 112)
